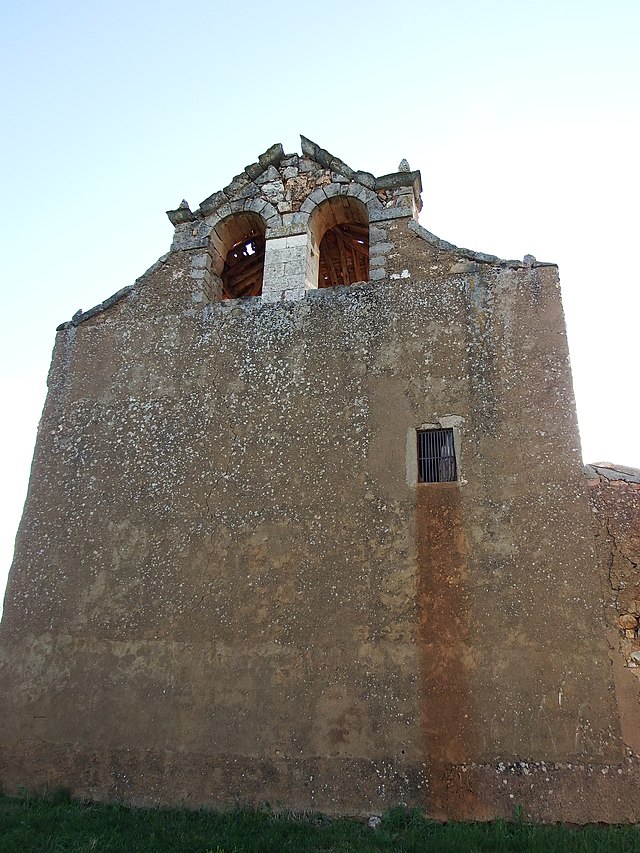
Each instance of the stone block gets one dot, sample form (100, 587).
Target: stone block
(213, 202)
(285, 230)
(270, 174)
(366, 179)
(180, 216)
(309, 166)
(463, 267)
(363, 193)
(182, 231)
(367, 195)
(273, 191)
(272, 156)
(190, 241)
(272, 219)
(376, 274)
(628, 621)
(254, 170)
(201, 261)
(377, 234)
(318, 195)
(198, 274)
(337, 165)
(387, 213)
(331, 190)
(269, 211)
(257, 205)
(398, 179)
(309, 148)
(275, 254)
(251, 190)
(380, 248)
(237, 185)
(223, 211)
(298, 219)
(307, 205)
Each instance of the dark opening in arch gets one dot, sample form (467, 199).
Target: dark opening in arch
(340, 229)
(243, 268)
(240, 253)
(344, 255)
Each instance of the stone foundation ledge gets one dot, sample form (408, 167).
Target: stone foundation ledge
(544, 792)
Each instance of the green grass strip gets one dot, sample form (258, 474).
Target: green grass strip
(58, 825)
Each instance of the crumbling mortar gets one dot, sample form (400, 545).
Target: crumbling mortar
(619, 551)
(59, 385)
(613, 549)
(610, 561)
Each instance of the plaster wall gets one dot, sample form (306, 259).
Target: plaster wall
(228, 588)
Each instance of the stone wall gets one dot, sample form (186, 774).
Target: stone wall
(228, 586)
(615, 500)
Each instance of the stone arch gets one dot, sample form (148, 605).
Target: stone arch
(356, 195)
(338, 233)
(237, 249)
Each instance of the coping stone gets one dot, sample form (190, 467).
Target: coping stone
(254, 170)
(237, 185)
(180, 215)
(395, 180)
(213, 202)
(366, 179)
(613, 472)
(272, 156)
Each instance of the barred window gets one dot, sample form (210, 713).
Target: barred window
(436, 456)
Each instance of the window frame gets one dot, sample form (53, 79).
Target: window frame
(433, 467)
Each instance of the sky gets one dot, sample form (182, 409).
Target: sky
(523, 117)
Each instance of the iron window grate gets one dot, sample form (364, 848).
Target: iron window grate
(436, 456)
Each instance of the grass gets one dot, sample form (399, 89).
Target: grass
(58, 825)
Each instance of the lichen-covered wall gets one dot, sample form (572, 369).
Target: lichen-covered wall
(229, 588)
(615, 498)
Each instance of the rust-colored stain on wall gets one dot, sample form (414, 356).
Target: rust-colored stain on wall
(443, 631)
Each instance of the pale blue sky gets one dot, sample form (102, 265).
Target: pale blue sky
(523, 118)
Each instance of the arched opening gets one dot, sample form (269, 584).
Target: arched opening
(340, 231)
(241, 255)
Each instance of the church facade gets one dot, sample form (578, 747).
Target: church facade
(308, 526)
